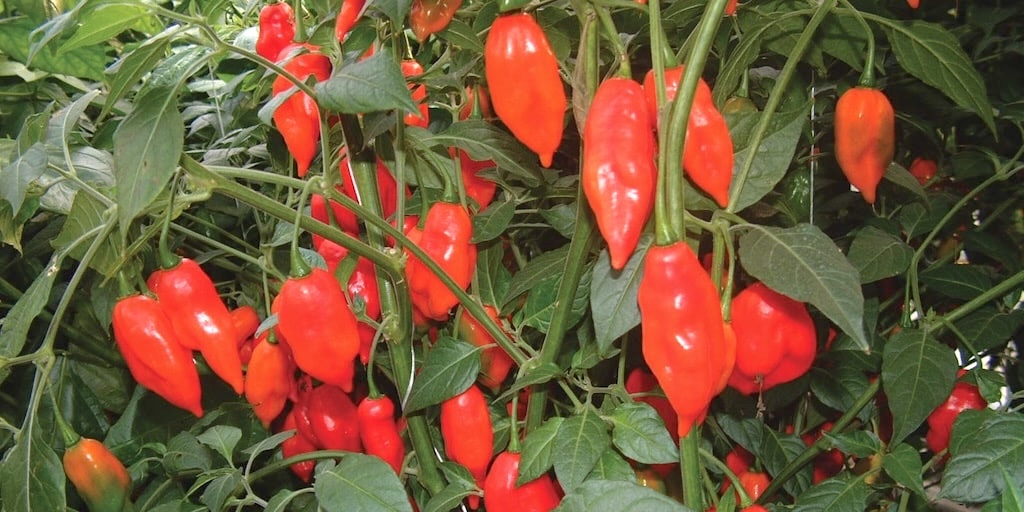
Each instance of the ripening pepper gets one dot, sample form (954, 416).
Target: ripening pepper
(468, 434)
(431, 16)
(97, 474)
(348, 15)
(681, 322)
(412, 69)
(317, 324)
(200, 317)
(269, 378)
(155, 357)
(446, 237)
(739, 460)
(333, 419)
(495, 363)
(619, 171)
(297, 445)
(501, 494)
(379, 432)
(775, 339)
(865, 133)
(940, 422)
(387, 189)
(708, 150)
(277, 29)
(923, 169)
(525, 85)
(298, 117)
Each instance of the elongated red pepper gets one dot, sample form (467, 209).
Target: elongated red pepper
(298, 117)
(468, 434)
(495, 363)
(412, 69)
(297, 445)
(501, 494)
(317, 324)
(97, 474)
(619, 174)
(865, 133)
(428, 17)
(362, 283)
(681, 322)
(155, 357)
(479, 189)
(348, 15)
(379, 432)
(200, 317)
(446, 237)
(269, 378)
(332, 416)
(277, 29)
(526, 87)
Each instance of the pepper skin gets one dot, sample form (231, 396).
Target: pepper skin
(431, 16)
(502, 495)
(495, 363)
(246, 322)
(923, 169)
(619, 172)
(681, 322)
(298, 117)
(865, 133)
(445, 237)
(481, 190)
(297, 445)
(525, 85)
(775, 339)
(379, 432)
(317, 324)
(413, 69)
(348, 15)
(708, 151)
(730, 8)
(155, 357)
(332, 416)
(468, 434)
(277, 29)
(754, 483)
(269, 378)
(940, 422)
(200, 317)
(914, 4)
(97, 474)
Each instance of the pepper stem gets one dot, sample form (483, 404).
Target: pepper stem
(168, 259)
(867, 76)
(689, 462)
(71, 437)
(299, 266)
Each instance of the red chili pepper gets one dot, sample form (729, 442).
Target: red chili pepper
(914, 4)
(362, 283)
(348, 15)
(495, 363)
(97, 474)
(865, 133)
(501, 494)
(431, 16)
(343, 217)
(446, 237)
(739, 460)
(199, 317)
(681, 322)
(412, 70)
(940, 422)
(379, 432)
(481, 190)
(269, 378)
(619, 173)
(923, 169)
(333, 418)
(775, 338)
(298, 117)
(277, 29)
(297, 445)
(826, 464)
(708, 151)
(526, 87)
(246, 322)
(317, 324)
(730, 8)
(468, 434)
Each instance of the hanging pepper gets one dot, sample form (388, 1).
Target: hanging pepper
(445, 237)
(431, 16)
(923, 169)
(940, 422)
(865, 133)
(708, 150)
(277, 29)
(618, 165)
(343, 217)
(468, 434)
(97, 474)
(297, 445)
(348, 15)
(362, 283)
(754, 483)
(495, 363)
(199, 317)
(156, 358)
(501, 494)
(730, 8)
(481, 190)
(681, 322)
(387, 189)
(333, 418)
(317, 324)
(526, 88)
(379, 432)
(269, 378)
(480, 102)
(298, 117)
(412, 69)
(246, 322)
(739, 460)
(775, 339)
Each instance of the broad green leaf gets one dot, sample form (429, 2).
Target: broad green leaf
(530, 374)
(536, 270)
(31, 475)
(448, 499)
(185, 454)
(492, 277)
(15, 40)
(14, 330)
(561, 217)
(772, 160)
(370, 85)
(804, 263)
(538, 448)
(859, 443)
(918, 219)
(640, 434)
(282, 501)
(903, 464)
(745, 53)
(172, 72)
(613, 296)
(98, 25)
(993, 245)
(777, 450)
(540, 302)
(449, 368)
(492, 222)
(461, 35)
(147, 145)
(17, 175)
(975, 470)
(1013, 496)
(147, 419)
(483, 141)
(220, 489)
(361, 483)
(88, 213)
(843, 38)
(838, 388)
(395, 10)
(223, 439)
(746, 432)
(124, 73)
(989, 327)
(617, 496)
(611, 466)
(835, 495)
(901, 177)
(877, 254)
(579, 444)
(917, 375)
(963, 282)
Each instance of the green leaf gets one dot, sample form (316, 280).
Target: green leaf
(147, 419)
(877, 254)
(933, 55)
(220, 489)
(87, 63)
(223, 439)
(611, 466)
(538, 448)
(1013, 497)
(14, 330)
(617, 496)
(777, 450)
(639, 432)
(803, 263)
(124, 73)
(492, 222)
(147, 145)
(448, 499)
(902, 178)
(98, 25)
(536, 270)
(917, 375)
(838, 388)
(283, 499)
(492, 277)
(395, 10)
(918, 219)
(532, 373)
(859, 443)
(361, 483)
(579, 444)
(772, 160)
(989, 327)
(18, 175)
(449, 368)
(185, 454)
(461, 35)
(561, 217)
(613, 296)
(370, 85)
(484, 141)
(31, 475)
(903, 464)
(540, 303)
(88, 213)
(963, 282)
(975, 470)
(835, 495)
(992, 245)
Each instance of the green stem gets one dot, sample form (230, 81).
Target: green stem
(299, 266)
(733, 477)
(228, 249)
(168, 259)
(612, 35)
(71, 437)
(689, 462)
(777, 94)
(1006, 286)
(867, 77)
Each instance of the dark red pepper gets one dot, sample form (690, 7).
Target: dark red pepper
(412, 70)
(495, 363)
(332, 416)
(501, 494)
(379, 432)
(940, 422)
(297, 445)
(468, 434)
(431, 16)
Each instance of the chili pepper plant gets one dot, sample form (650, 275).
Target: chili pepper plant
(496, 255)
